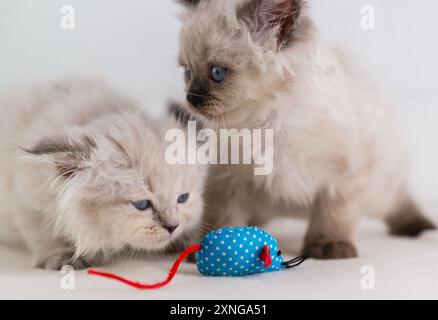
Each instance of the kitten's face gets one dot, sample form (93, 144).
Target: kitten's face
(231, 52)
(119, 191)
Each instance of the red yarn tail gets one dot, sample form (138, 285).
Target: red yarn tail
(140, 285)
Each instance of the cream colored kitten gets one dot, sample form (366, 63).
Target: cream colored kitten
(338, 151)
(84, 176)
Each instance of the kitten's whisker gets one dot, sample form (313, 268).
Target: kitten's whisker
(59, 177)
(197, 95)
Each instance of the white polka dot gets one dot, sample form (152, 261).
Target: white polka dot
(251, 243)
(236, 263)
(222, 242)
(224, 254)
(252, 255)
(206, 258)
(230, 259)
(218, 259)
(229, 247)
(234, 240)
(224, 264)
(212, 254)
(246, 250)
(235, 252)
(240, 246)
(217, 248)
(244, 239)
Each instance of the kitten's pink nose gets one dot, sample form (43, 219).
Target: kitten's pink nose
(170, 228)
(169, 219)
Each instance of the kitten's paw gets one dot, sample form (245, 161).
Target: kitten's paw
(59, 260)
(331, 250)
(410, 226)
(191, 258)
(408, 220)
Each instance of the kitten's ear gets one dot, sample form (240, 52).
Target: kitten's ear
(68, 154)
(190, 3)
(278, 18)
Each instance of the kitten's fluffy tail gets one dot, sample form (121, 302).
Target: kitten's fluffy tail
(408, 220)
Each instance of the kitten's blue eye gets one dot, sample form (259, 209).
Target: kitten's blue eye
(183, 198)
(141, 205)
(218, 73)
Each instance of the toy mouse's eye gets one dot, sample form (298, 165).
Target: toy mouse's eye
(183, 198)
(142, 205)
(279, 253)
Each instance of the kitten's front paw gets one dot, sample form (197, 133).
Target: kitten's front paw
(59, 260)
(192, 258)
(331, 250)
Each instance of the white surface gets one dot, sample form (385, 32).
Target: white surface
(134, 44)
(405, 269)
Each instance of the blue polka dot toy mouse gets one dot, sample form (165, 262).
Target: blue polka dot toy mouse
(238, 252)
(228, 252)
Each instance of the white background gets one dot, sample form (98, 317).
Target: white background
(134, 43)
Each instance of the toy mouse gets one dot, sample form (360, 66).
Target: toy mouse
(228, 252)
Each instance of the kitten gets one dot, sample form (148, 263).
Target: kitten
(84, 176)
(337, 150)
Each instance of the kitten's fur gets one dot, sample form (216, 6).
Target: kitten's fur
(338, 151)
(73, 155)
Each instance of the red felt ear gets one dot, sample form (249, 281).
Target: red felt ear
(265, 256)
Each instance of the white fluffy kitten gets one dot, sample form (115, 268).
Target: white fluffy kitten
(84, 176)
(338, 152)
